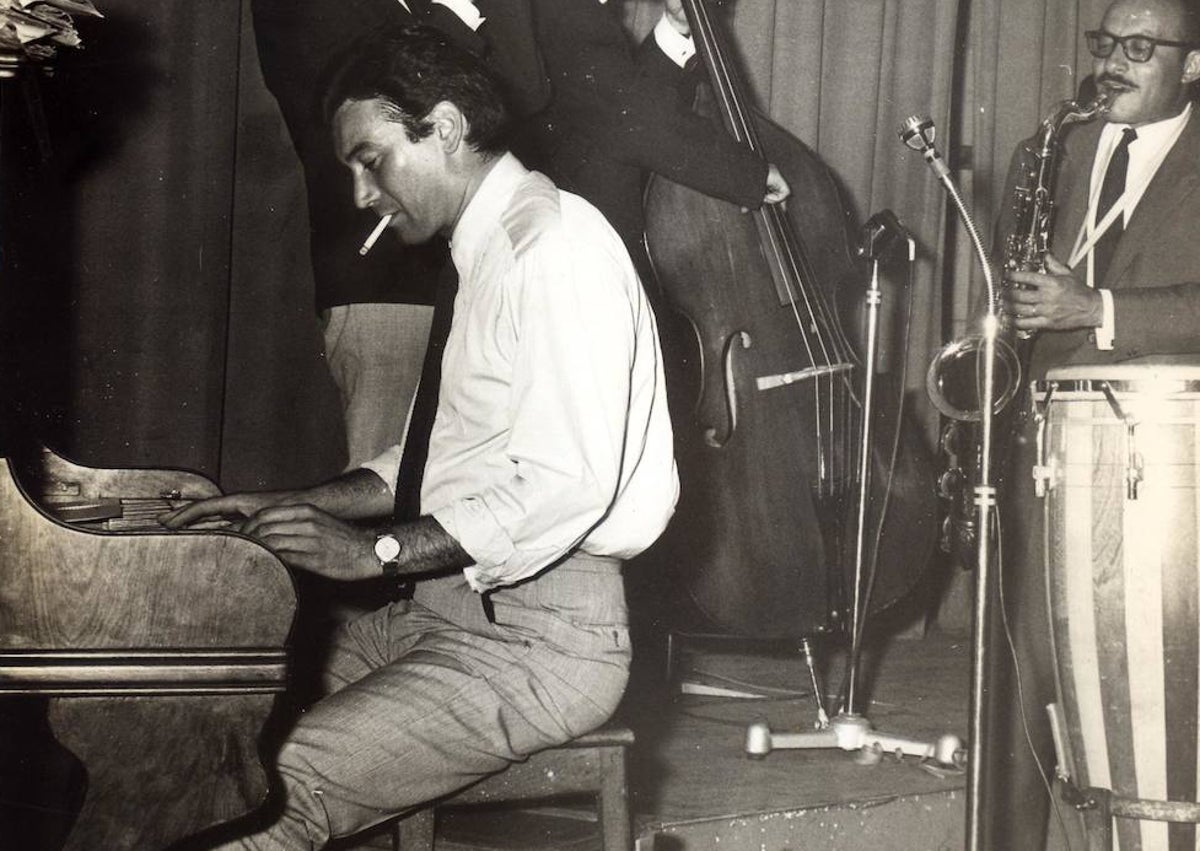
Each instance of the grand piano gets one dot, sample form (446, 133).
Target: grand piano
(160, 653)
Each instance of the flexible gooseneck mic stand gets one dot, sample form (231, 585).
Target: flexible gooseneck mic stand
(917, 133)
(849, 730)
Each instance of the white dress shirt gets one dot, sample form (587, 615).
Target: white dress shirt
(552, 430)
(678, 47)
(466, 10)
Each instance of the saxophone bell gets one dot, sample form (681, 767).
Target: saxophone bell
(954, 380)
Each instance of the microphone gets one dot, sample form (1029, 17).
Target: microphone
(917, 132)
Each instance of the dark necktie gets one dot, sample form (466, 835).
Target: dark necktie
(1110, 192)
(420, 424)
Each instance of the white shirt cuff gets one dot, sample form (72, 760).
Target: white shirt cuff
(1107, 330)
(678, 47)
(386, 465)
(465, 10)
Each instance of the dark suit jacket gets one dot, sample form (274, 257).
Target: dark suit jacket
(1155, 272)
(600, 116)
(616, 114)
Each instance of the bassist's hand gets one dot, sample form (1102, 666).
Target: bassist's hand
(777, 186)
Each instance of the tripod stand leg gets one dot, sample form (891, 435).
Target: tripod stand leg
(822, 717)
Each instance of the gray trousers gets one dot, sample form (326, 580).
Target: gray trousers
(428, 696)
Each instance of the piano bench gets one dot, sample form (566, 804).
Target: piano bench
(595, 763)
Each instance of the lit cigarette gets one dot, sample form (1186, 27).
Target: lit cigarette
(375, 234)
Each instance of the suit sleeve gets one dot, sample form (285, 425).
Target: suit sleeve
(633, 104)
(1156, 320)
(513, 52)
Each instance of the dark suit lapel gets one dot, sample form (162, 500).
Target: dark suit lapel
(1072, 186)
(1175, 179)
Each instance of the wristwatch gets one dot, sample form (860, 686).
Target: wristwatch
(387, 550)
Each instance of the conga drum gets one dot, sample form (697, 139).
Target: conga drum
(1119, 470)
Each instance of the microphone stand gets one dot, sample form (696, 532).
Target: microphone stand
(849, 730)
(918, 134)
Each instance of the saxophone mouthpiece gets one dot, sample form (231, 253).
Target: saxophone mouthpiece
(917, 132)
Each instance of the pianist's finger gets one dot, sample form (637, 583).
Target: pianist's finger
(235, 505)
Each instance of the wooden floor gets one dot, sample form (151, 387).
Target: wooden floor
(693, 787)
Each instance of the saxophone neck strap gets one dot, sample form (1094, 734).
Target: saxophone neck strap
(1089, 233)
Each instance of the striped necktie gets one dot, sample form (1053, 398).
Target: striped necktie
(1110, 192)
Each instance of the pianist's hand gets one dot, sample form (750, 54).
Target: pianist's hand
(311, 539)
(301, 535)
(237, 508)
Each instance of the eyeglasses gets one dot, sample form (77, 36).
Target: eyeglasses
(1138, 48)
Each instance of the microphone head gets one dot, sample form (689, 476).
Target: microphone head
(917, 132)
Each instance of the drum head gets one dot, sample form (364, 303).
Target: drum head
(1154, 379)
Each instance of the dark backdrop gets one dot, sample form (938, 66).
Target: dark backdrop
(157, 304)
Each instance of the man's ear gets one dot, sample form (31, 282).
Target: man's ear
(449, 125)
(1191, 67)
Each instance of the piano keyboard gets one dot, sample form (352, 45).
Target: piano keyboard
(125, 514)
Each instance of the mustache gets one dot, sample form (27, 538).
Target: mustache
(1114, 78)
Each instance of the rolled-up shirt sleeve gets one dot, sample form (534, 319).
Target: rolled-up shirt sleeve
(386, 465)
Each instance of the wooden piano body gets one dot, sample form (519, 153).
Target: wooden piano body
(161, 652)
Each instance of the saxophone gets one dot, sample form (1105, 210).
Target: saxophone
(952, 380)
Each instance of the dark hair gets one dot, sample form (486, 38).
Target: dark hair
(413, 68)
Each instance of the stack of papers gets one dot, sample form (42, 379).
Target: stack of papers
(31, 31)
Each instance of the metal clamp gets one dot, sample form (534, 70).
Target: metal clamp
(1043, 472)
(1133, 459)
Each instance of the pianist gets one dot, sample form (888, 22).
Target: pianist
(549, 463)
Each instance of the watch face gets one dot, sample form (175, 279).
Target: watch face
(387, 547)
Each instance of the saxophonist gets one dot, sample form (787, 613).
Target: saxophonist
(1122, 283)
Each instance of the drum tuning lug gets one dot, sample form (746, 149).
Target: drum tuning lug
(1040, 474)
(1043, 478)
(1133, 467)
(1134, 477)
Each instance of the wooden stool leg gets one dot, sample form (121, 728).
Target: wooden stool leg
(616, 831)
(415, 832)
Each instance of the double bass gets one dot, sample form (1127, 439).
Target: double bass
(768, 453)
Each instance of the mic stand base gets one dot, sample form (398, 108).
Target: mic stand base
(852, 732)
